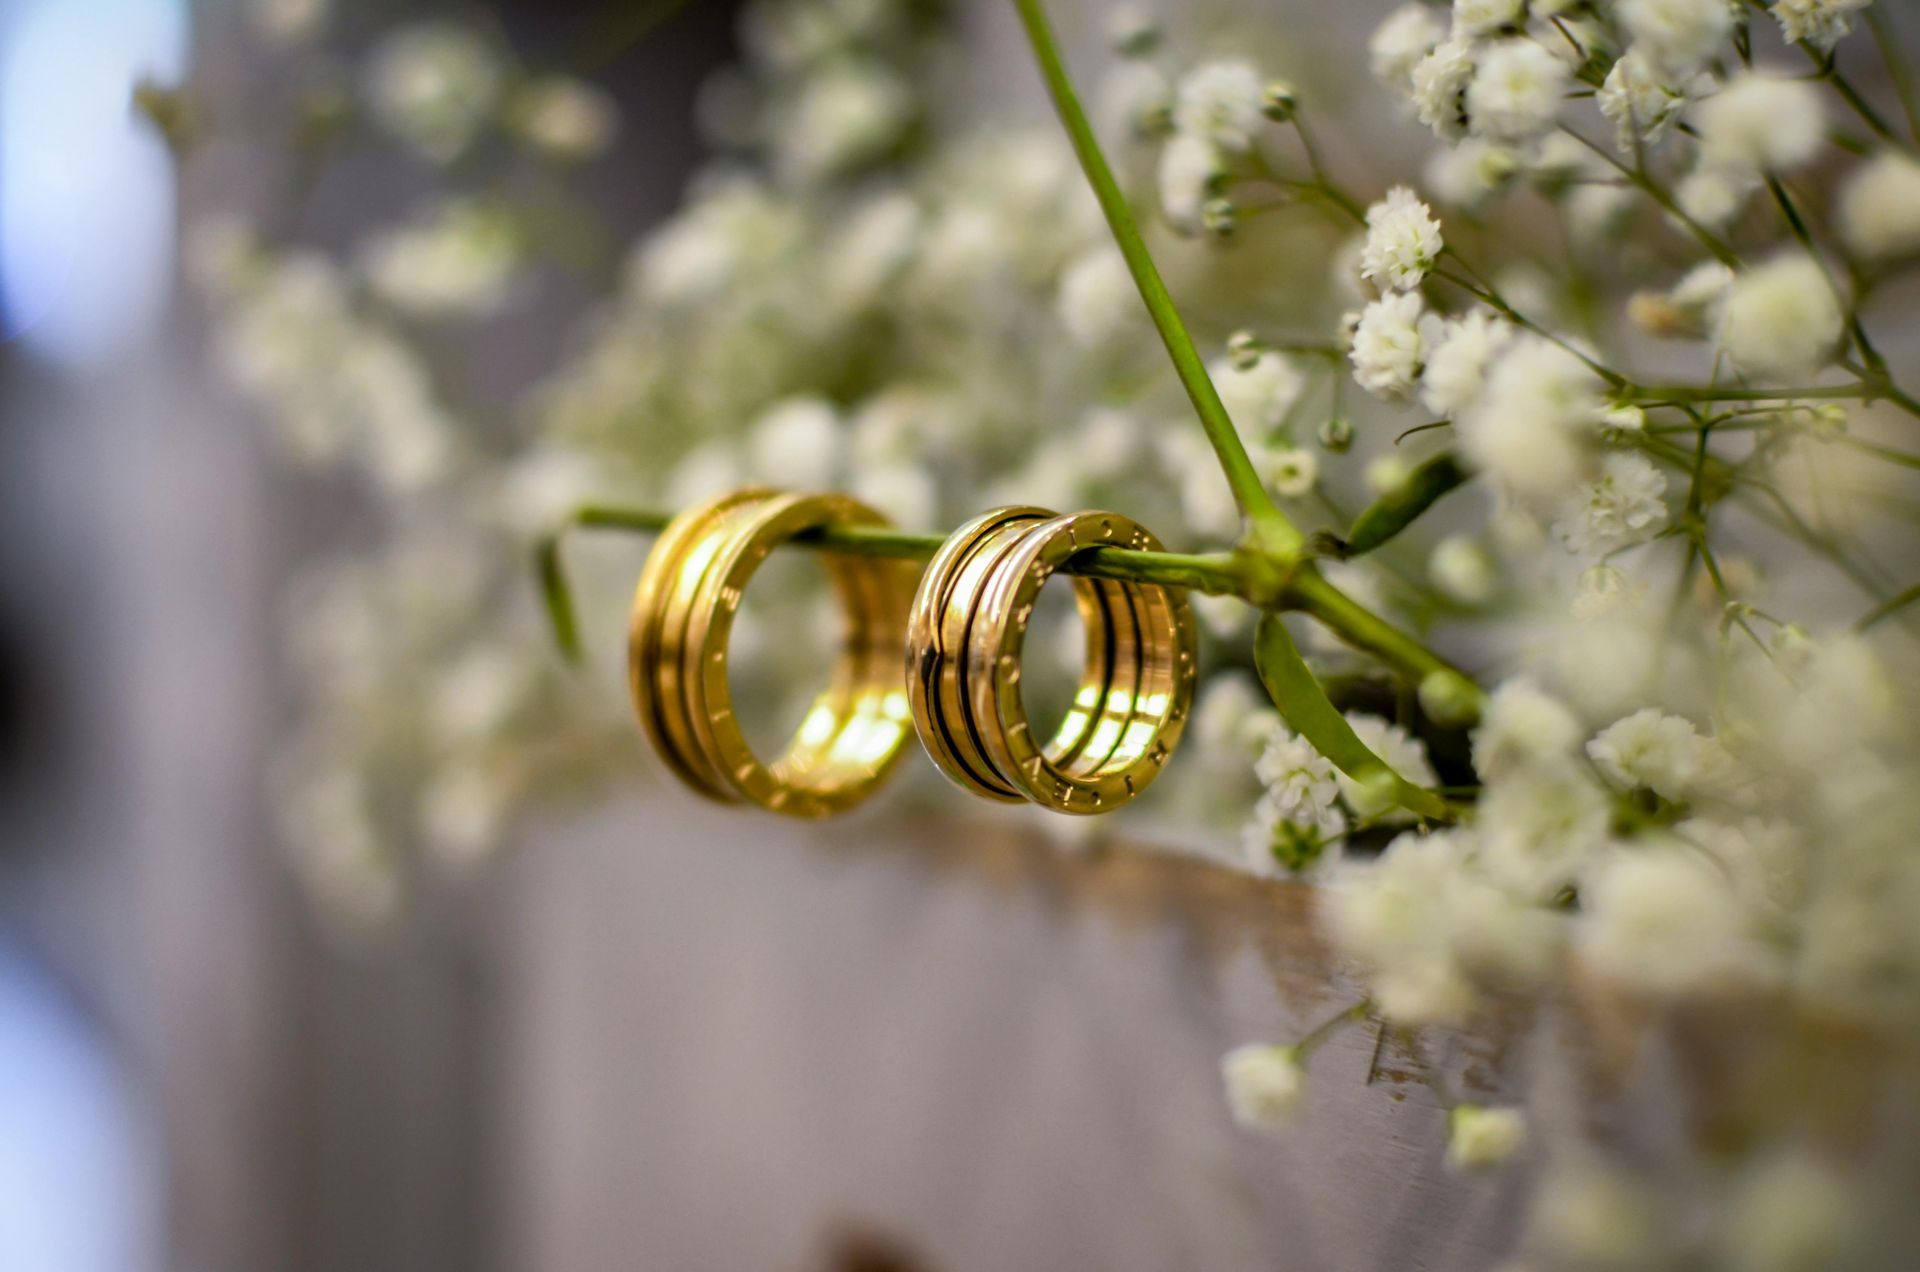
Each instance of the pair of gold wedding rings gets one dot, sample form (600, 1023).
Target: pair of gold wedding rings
(958, 686)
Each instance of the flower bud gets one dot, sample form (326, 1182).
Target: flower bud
(1219, 218)
(1277, 101)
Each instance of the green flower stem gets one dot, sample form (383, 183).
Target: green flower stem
(1310, 593)
(1269, 529)
(1637, 175)
(1892, 605)
(1888, 42)
(1326, 1029)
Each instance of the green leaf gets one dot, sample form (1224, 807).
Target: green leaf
(1310, 713)
(1394, 511)
(557, 594)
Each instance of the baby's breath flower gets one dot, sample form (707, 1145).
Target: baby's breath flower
(1289, 470)
(1098, 302)
(1468, 173)
(1397, 917)
(1389, 347)
(1781, 320)
(1456, 370)
(1408, 35)
(1714, 197)
(1761, 122)
(1539, 825)
(1624, 505)
(846, 116)
(797, 442)
(1297, 840)
(1880, 207)
(288, 22)
(1402, 753)
(1529, 426)
(432, 85)
(1522, 724)
(1649, 748)
(565, 118)
(459, 261)
(1516, 92)
(1463, 570)
(1221, 103)
(1258, 395)
(1484, 17)
(1264, 1085)
(1298, 777)
(905, 492)
(1232, 717)
(1642, 103)
(1678, 36)
(1820, 23)
(1439, 85)
(1189, 166)
(1665, 920)
(1601, 590)
(1135, 100)
(1478, 1137)
(1403, 241)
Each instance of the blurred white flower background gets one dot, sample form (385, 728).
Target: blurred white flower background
(1597, 315)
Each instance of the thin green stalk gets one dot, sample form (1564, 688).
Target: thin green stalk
(1830, 72)
(1269, 527)
(1892, 605)
(1310, 593)
(1797, 224)
(1897, 69)
(1721, 249)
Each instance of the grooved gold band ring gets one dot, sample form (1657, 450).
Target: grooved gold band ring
(968, 625)
(683, 613)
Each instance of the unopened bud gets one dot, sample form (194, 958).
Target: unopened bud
(1277, 101)
(1336, 434)
(1219, 218)
(1244, 349)
(1450, 700)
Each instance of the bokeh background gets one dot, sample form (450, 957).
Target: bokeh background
(656, 1034)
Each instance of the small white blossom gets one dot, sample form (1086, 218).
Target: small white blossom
(1700, 294)
(1642, 103)
(460, 261)
(906, 492)
(1264, 1085)
(1258, 396)
(797, 443)
(1679, 36)
(1289, 470)
(1529, 426)
(1516, 92)
(1479, 1137)
(1233, 719)
(1221, 103)
(566, 118)
(1098, 302)
(1652, 749)
(1463, 570)
(1300, 840)
(1539, 826)
(1781, 320)
(1602, 590)
(1396, 916)
(433, 86)
(1820, 23)
(1791, 1212)
(1389, 347)
(1134, 97)
(1714, 196)
(1403, 240)
(288, 22)
(1484, 17)
(846, 116)
(1402, 753)
(1301, 780)
(1761, 122)
(1439, 83)
(1880, 207)
(1624, 505)
(1470, 172)
(1189, 166)
(1408, 35)
(1665, 920)
(1522, 724)
(1456, 370)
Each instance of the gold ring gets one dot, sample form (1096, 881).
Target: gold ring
(968, 626)
(683, 613)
